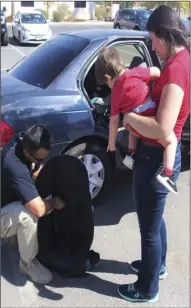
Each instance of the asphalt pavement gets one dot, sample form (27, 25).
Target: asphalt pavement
(117, 240)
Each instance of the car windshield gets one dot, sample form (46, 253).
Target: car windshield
(49, 60)
(143, 14)
(33, 19)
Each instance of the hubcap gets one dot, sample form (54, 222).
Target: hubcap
(95, 171)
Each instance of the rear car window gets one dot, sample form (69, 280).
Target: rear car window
(46, 63)
(143, 14)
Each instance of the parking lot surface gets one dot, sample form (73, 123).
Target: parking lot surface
(117, 240)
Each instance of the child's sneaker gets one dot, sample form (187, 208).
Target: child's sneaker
(167, 182)
(129, 161)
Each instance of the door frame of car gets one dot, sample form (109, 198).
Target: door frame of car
(119, 41)
(87, 66)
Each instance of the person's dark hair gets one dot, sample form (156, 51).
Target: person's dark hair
(166, 24)
(108, 63)
(36, 137)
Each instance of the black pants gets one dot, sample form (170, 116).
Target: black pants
(65, 236)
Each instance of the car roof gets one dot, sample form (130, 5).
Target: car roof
(31, 12)
(107, 34)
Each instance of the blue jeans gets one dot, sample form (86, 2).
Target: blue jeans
(150, 199)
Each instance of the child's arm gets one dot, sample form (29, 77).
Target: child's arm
(154, 73)
(113, 128)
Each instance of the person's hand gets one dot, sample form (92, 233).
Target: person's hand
(58, 204)
(111, 148)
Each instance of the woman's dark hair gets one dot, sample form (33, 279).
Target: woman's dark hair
(36, 137)
(166, 24)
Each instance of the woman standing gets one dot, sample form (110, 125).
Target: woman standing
(172, 94)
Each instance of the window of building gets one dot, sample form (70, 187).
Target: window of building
(80, 4)
(27, 3)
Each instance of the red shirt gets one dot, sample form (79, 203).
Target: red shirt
(177, 71)
(130, 90)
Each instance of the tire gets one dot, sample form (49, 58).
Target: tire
(20, 43)
(137, 28)
(117, 26)
(5, 39)
(14, 38)
(90, 155)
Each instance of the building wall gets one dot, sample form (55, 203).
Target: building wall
(79, 13)
(14, 7)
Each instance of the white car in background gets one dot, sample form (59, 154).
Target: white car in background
(31, 27)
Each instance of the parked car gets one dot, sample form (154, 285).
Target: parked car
(55, 86)
(134, 19)
(31, 27)
(186, 22)
(4, 32)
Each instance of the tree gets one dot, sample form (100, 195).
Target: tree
(48, 5)
(126, 4)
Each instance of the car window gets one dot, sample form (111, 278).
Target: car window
(129, 15)
(46, 62)
(122, 14)
(143, 14)
(33, 19)
(127, 53)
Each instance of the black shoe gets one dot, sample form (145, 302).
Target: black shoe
(93, 260)
(167, 182)
(135, 265)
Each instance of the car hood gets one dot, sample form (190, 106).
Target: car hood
(36, 28)
(11, 86)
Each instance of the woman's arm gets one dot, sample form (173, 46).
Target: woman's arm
(167, 114)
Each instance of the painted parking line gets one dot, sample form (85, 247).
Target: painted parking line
(18, 50)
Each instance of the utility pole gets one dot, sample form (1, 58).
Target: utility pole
(12, 8)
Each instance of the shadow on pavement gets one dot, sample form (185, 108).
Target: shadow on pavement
(94, 283)
(117, 199)
(10, 272)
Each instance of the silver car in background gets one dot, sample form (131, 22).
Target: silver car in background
(186, 22)
(31, 27)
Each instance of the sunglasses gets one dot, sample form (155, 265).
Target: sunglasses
(36, 158)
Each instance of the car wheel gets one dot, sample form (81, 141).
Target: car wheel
(13, 34)
(20, 41)
(5, 39)
(98, 166)
(117, 26)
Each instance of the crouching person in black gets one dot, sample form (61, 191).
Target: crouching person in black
(65, 237)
